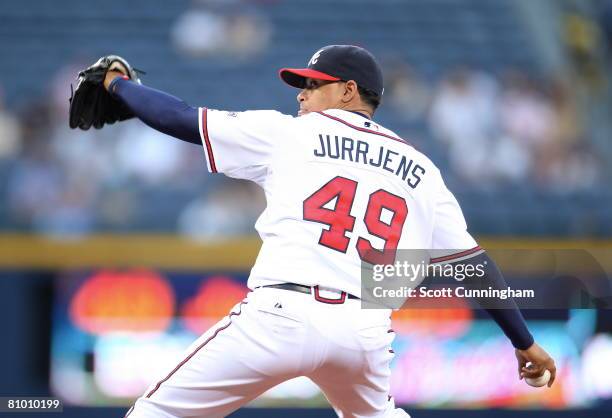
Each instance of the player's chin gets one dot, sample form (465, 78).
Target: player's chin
(303, 112)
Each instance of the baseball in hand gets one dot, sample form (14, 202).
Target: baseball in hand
(538, 381)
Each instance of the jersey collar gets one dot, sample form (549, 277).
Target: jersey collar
(361, 122)
(360, 114)
(351, 116)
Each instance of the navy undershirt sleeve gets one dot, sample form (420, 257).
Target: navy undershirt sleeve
(504, 312)
(159, 110)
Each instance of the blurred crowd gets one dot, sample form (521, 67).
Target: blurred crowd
(512, 128)
(124, 177)
(220, 27)
(493, 131)
(507, 129)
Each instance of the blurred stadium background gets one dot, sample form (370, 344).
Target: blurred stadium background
(117, 248)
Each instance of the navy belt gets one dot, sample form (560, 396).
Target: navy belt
(310, 290)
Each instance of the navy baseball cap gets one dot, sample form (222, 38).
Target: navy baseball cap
(338, 62)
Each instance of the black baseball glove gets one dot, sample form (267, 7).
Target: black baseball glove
(91, 104)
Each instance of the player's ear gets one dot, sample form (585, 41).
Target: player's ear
(350, 91)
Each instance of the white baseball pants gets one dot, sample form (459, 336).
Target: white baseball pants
(274, 335)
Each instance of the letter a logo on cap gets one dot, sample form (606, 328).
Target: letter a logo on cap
(315, 57)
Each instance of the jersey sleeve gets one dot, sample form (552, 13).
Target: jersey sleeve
(241, 144)
(451, 242)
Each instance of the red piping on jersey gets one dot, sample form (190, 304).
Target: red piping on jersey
(365, 130)
(196, 350)
(211, 157)
(456, 255)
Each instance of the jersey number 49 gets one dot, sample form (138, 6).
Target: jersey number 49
(340, 220)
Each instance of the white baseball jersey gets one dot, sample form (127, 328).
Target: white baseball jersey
(340, 190)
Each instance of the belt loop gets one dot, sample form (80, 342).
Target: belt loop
(322, 299)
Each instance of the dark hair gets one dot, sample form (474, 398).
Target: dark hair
(369, 97)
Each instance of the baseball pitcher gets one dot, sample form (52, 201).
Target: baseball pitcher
(341, 191)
